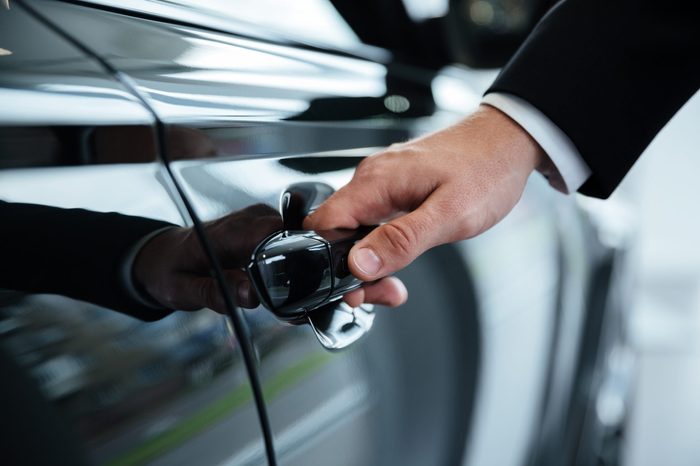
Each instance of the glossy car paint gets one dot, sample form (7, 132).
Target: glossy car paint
(354, 399)
(463, 369)
(128, 393)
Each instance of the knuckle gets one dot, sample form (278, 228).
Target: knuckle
(384, 163)
(457, 214)
(373, 171)
(400, 237)
(466, 224)
(472, 225)
(366, 168)
(364, 163)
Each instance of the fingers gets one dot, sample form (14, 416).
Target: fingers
(240, 285)
(236, 235)
(352, 205)
(174, 270)
(388, 184)
(383, 185)
(389, 291)
(394, 245)
(190, 293)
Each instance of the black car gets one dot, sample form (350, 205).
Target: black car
(186, 111)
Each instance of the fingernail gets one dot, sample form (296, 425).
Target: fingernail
(367, 261)
(243, 291)
(401, 288)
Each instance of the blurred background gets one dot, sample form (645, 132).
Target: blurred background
(664, 194)
(660, 197)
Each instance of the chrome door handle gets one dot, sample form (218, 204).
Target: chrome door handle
(301, 276)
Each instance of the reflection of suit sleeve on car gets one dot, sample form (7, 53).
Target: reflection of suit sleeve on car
(74, 252)
(609, 75)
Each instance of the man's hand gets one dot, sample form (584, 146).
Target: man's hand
(444, 187)
(173, 269)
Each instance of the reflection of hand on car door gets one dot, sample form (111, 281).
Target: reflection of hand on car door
(140, 266)
(173, 269)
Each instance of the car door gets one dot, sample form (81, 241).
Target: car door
(242, 119)
(82, 384)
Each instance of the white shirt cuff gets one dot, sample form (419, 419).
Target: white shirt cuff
(566, 170)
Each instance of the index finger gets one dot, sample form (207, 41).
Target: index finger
(389, 291)
(353, 205)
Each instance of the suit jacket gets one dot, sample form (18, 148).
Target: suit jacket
(610, 74)
(73, 252)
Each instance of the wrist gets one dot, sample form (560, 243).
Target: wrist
(137, 265)
(512, 141)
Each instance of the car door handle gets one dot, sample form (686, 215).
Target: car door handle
(301, 199)
(301, 276)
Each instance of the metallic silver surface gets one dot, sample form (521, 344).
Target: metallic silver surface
(338, 325)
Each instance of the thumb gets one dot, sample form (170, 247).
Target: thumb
(394, 245)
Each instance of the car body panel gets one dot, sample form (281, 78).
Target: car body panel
(465, 366)
(48, 81)
(516, 266)
(127, 392)
(226, 157)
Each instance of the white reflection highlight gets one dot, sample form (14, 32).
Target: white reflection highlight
(308, 20)
(209, 54)
(229, 104)
(335, 62)
(611, 404)
(420, 10)
(89, 91)
(317, 85)
(33, 107)
(454, 94)
(100, 188)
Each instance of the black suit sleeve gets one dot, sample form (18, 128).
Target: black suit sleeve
(73, 252)
(610, 74)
